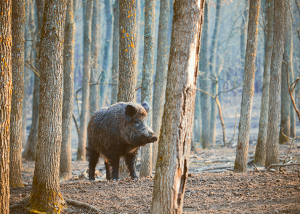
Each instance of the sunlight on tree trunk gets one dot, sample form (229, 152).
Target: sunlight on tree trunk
(45, 194)
(177, 123)
(240, 164)
(275, 85)
(17, 55)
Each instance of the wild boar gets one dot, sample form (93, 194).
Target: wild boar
(118, 131)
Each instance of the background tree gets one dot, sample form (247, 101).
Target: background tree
(240, 164)
(203, 67)
(45, 195)
(177, 123)
(115, 64)
(213, 72)
(30, 148)
(127, 57)
(260, 151)
(68, 93)
(161, 72)
(17, 55)
(243, 37)
(275, 79)
(81, 152)
(147, 83)
(5, 101)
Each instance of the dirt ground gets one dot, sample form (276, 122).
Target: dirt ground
(211, 187)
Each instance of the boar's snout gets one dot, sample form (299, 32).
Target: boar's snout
(153, 138)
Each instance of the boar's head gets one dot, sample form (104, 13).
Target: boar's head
(137, 132)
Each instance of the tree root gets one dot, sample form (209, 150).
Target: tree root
(81, 204)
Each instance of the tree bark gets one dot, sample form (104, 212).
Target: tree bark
(65, 171)
(248, 89)
(115, 64)
(94, 89)
(45, 194)
(161, 72)
(260, 152)
(177, 122)
(275, 86)
(127, 57)
(147, 82)
(214, 75)
(203, 67)
(81, 152)
(5, 101)
(30, 148)
(17, 55)
(244, 32)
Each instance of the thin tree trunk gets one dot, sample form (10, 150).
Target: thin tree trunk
(30, 149)
(68, 94)
(81, 152)
(17, 55)
(147, 82)
(161, 72)
(5, 101)
(45, 194)
(260, 152)
(177, 123)
(248, 89)
(214, 75)
(115, 65)
(203, 67)
(94, 89)
(127, 57)
(275, 86)
(243, 37)
(197, 116)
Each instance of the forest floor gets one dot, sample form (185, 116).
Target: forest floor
(211, 187)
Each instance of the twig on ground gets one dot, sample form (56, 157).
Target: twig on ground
(256, 169)
(81, 204)
(281, 165)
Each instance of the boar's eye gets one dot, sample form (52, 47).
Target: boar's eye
(136, 123)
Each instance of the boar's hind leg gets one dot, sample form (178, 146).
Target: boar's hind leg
(107, 169)
(115, 167)
(130, 160)
(93, 160)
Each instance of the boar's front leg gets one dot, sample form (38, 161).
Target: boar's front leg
(130, 160)
(107, 169)
(93, 160)
(114, 162)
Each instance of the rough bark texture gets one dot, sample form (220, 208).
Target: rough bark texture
(203, 67)
(30, 149)
(127, 57)
(161, 72)
(94, 89)
(244, 32)
(17, 56)
(5, 101)
(115, 63)
(45, 195)
(248, 89)
(81, 152)
(177, 123)
(147, 82)
(275, 86)
(214, 74)
(260, 152)
(68, 94)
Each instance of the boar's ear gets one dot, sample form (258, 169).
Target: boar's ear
(146, 106)
(130, 111)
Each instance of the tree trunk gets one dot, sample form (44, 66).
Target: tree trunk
(17, 55)
(214, 75)
(68, 94)
(115, 65)
(94, 89)
(127, 57)
(248, 89)
(197, 116)
(81, 152)
(203, 67)
(244, 32)
(161, 72)
(30, 149)
(5, 101)
(275, 86)
(147, 82)
(260, 152)
(177, 123)
(45, 195)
